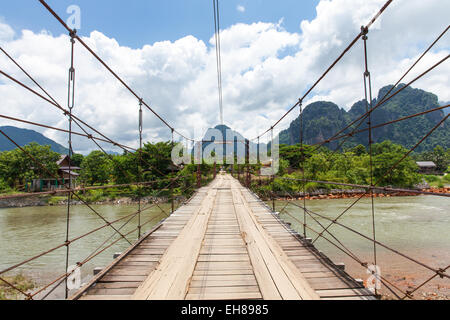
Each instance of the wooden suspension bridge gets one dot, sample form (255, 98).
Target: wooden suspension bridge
(225, 243)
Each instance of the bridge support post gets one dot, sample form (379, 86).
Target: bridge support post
(199, 176)
(71, 103)
(247, 160)
(199, 161)
(273, 194)
(171, 185)
(140, 167)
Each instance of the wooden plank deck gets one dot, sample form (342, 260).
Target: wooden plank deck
(223, 244)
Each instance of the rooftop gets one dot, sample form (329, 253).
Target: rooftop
(426, 164)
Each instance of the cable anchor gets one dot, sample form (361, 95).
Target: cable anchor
(364, 32)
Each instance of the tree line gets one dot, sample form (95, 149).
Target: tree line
(153, 163)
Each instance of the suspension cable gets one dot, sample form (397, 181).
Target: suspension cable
(140, 166)
(218, 55)
(352, 43)
(107, 67)
(70, 104)
(368, 100)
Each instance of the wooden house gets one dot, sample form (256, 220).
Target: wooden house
(65, 171)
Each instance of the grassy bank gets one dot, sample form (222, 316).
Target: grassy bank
(437, 181)
(19, 281)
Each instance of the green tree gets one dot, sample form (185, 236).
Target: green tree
(16, 166)
(359, 150)
(315, 165)
(439, 156)
(388, 154)
(125, 168)
(96, 168)
(157, 159)
(77, 159)
(293, 154)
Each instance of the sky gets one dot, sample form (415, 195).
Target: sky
(272, 52)
(139, 22)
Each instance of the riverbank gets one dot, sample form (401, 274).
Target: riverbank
(19, 281)
(354, 193)
(41, 201)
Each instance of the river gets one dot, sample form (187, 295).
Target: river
(26, 232)
(416, 226)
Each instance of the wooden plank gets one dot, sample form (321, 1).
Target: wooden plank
(223, 250)
(350, 298)
(223, 237)
(171, 278)
(248, 271)
(136, 264)
(241, 289)
(117, 278)
(235, 277)
(83, 289)
(128, 272)
(111, 292)
(223, 242)
(142, 258)
(152, 251)
(302, 258)
(223, 265)
(222, 257)
(221, 283)
(321, 274)
(117, 285)
(290, 282)
(266, 283)
(224, 296)
(105, 297)
(304, 269)
(344, 293)
(331, 283)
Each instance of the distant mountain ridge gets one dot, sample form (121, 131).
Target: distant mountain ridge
(25, 136)
(324, 119)
(220, 134)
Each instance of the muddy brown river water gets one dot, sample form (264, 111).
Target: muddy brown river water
(417, 226)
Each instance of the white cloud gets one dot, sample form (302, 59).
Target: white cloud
(6, 32)
(240, 8)
(260, 82)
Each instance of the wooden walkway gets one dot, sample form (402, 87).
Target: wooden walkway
(223, 244)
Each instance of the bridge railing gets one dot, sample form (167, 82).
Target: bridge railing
(116, 225)
(315, 223)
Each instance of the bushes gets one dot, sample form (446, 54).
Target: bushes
(431, 178)
(4, 187)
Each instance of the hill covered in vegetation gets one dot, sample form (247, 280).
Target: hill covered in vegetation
(24, 137)
(324, 119)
